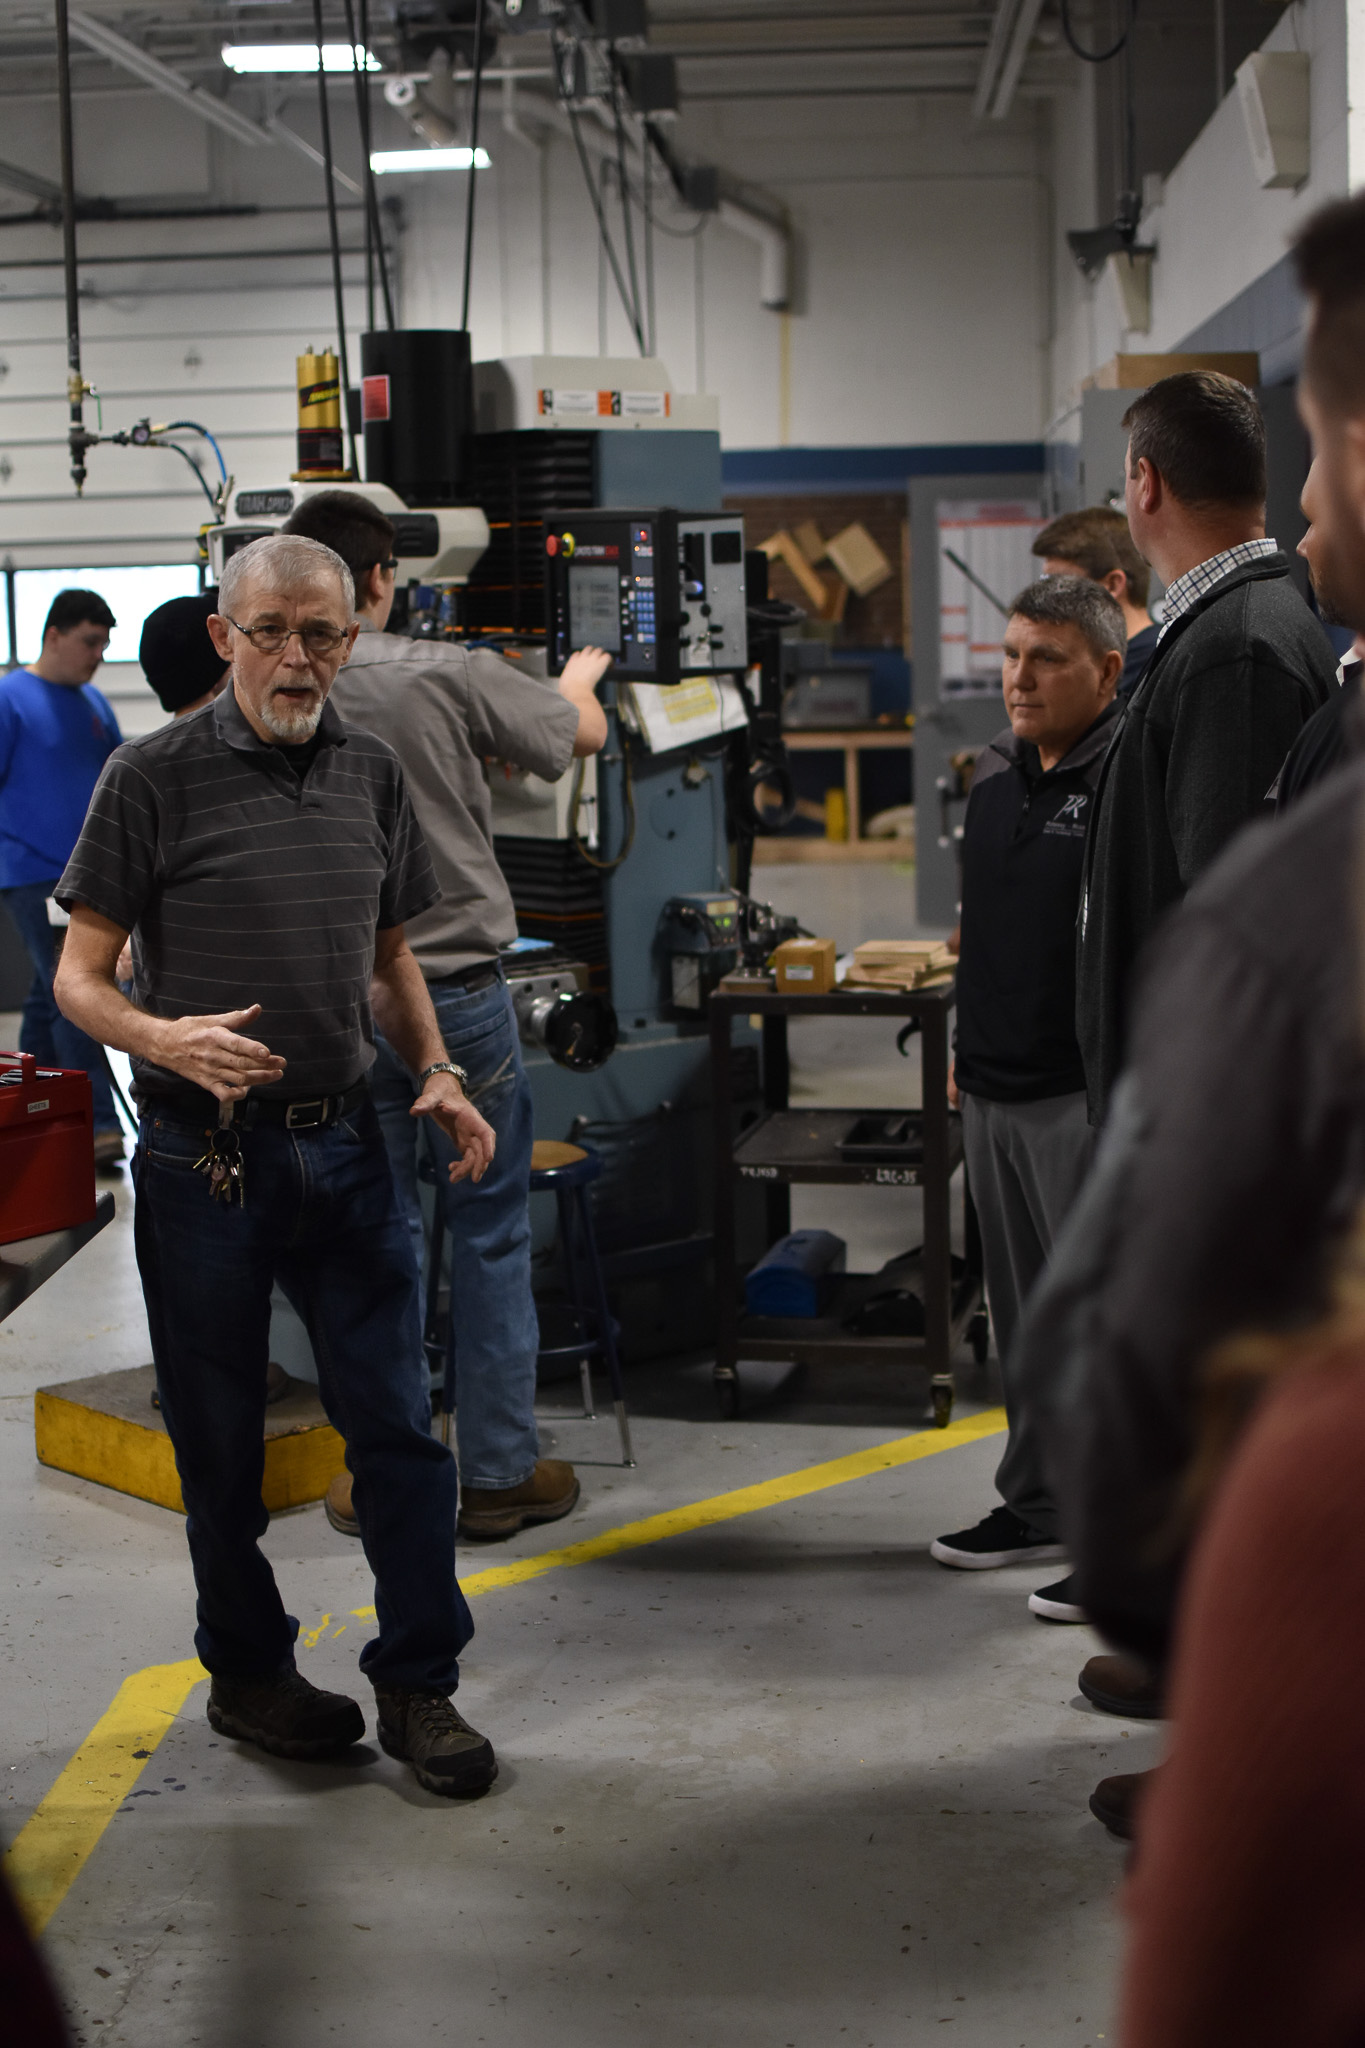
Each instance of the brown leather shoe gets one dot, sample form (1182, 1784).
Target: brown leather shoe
(336, 1505)
(1115, 1801)
(551, 1491)
(1122, 1685)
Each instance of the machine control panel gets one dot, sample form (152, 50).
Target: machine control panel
(714, 634)
(611, 581)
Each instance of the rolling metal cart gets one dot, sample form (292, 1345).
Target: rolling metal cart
(786, 1147)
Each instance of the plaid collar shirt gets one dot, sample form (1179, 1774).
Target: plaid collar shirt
(1187, 590)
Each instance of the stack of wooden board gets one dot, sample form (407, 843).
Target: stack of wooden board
(900, 964)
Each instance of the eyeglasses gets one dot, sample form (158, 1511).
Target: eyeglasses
(392, 563)
(314, 639)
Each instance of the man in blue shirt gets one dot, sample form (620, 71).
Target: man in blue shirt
(56, 733)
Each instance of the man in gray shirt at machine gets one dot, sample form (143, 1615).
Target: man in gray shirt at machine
(445, 709)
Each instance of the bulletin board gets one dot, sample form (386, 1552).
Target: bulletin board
(984, 560)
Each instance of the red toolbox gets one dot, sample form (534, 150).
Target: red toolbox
(47, 1148)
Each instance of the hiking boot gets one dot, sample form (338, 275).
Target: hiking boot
(551, 1491)
(1122, 1685)
(284, 1714)
(1000, 1539)
(1115, 1801)
(338, 1508)
(424, 1730)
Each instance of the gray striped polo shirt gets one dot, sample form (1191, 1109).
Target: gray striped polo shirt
(242, 884)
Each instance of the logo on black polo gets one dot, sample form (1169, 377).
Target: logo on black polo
(1069, 822)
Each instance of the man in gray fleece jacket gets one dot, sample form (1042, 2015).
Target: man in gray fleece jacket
(1240, 665)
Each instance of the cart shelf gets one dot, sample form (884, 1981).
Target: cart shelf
(802, 1146)
(787, 1147)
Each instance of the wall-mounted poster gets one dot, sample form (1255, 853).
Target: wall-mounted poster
(984, 560)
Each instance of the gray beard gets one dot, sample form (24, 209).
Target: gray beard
(300, 725)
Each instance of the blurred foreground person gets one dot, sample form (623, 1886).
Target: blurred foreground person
(1234, 1160)
(1331, 735)
(1017, 1069)
(1241, 663)
(1247, 1907)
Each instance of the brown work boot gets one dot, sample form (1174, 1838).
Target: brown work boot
(1115, 1801)
(424, 1730)
(284, 1714)
(1122, 1685)
(336, 1505)
(551, 1491)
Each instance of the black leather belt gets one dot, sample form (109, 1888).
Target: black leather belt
(297, 1113)
(482, 974)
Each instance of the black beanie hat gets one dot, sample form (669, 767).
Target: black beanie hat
(178, 658)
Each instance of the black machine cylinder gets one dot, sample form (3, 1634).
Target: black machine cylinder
(416, 406)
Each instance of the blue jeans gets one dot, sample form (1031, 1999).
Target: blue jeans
(319, 1216)
(52, 1039)
(494, 1335)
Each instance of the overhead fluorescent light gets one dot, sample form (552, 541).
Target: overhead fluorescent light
(429, 160)
(298, 57)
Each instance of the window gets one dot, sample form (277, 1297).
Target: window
(129, 593)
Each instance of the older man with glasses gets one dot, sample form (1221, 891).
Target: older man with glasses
(265, 857)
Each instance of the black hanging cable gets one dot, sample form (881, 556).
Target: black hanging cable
(1095, 56)
(647, 208)
(638, 322)
(360, 54)
(376, 259)
(326, 121)
(198, 473)
(591, 183)
(473, 163)
(77, 438)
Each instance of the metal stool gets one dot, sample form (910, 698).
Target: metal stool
(563, 1171)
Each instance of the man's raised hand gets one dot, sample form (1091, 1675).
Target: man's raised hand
(213, 1054)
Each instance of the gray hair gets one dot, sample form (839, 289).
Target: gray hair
(289, 558)
(1075, 601)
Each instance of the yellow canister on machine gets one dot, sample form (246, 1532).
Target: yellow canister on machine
(321, 449)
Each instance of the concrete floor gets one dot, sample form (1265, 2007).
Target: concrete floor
(760, 1832)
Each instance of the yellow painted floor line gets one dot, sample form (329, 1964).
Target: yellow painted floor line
(48, 1853)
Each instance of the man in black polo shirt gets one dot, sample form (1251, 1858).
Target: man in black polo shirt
(265, 857)
(1018, 1067)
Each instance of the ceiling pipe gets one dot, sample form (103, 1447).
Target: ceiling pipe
(997, 45)
(1025, 22)
(774, 250)
(97, 35)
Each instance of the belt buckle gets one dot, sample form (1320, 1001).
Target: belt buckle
(294, 1120)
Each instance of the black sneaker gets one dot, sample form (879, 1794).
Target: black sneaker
(1057, 1602)
(1001, 1539)
(446, 1754)
(285, 1715)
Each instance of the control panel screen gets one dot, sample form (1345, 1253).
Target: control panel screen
(595, 606)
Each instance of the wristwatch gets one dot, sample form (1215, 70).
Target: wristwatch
(444, 1067)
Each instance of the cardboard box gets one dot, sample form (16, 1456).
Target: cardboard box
(858, 559)
(805, 967)
(1135, 373)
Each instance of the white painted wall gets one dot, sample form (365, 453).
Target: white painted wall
(920, 317)
(1216, 230)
